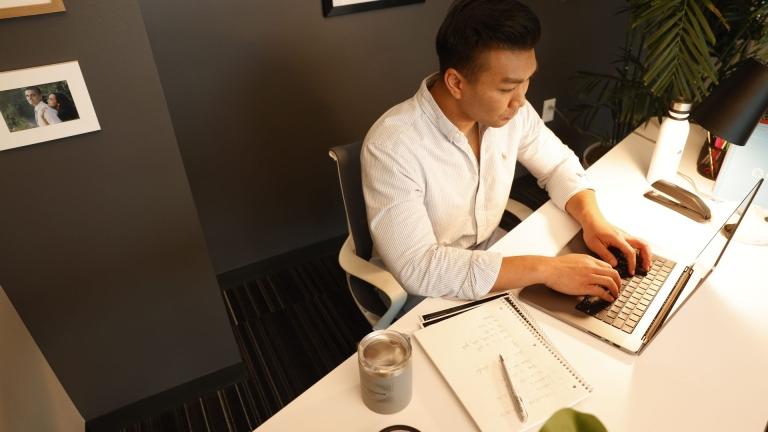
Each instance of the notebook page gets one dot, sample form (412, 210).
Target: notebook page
(466, 350)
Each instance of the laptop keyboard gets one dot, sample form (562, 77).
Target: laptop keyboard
(636, 294)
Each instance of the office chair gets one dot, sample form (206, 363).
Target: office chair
(376, 292)
(367, 282)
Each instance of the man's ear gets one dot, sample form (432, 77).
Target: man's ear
(454, 82)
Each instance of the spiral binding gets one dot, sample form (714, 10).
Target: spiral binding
(542, 337)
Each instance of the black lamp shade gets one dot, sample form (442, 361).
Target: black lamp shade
(737, 104)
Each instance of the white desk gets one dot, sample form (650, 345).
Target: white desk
(706, 371)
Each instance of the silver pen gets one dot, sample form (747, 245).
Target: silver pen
(515, 395)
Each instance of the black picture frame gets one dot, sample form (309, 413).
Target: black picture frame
(330, 10)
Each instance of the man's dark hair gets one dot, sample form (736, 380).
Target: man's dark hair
(473, 26)
(34, 89)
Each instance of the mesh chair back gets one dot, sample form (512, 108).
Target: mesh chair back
(348, 163)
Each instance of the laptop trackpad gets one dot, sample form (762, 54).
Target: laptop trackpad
(543, 297)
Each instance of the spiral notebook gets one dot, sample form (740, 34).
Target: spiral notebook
(466, 351)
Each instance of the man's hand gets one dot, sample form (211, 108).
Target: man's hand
(599, 235)
(578, 274)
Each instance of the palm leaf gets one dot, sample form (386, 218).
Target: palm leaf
(680, 64)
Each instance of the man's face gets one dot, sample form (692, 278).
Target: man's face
(33, 97)
(495, 93)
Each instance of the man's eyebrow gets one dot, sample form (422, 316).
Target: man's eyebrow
(510, 80)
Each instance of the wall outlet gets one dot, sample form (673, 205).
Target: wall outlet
(548, 111)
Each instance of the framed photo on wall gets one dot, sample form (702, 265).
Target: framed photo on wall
(18, 8)
(342, 7)
(44, 103)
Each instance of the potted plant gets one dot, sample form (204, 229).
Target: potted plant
(673, 48)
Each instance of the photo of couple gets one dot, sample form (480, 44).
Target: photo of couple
(37, 106)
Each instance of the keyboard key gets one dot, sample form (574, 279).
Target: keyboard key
(627, 328)
(645, 302)
(618, 323)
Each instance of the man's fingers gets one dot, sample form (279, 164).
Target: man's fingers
(614, 276)
(628, 251)
(645, 251)
(602, 251)
(599, 291)
(608, 283)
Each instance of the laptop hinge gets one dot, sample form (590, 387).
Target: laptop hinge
(666, 308)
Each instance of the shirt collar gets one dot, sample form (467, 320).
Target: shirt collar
(434, 113)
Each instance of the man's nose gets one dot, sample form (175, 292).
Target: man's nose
(518, 97)
(516, 100)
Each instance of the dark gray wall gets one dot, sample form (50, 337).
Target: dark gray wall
(258, 91)
(101, 250)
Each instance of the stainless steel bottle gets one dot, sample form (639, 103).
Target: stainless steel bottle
(384, 358)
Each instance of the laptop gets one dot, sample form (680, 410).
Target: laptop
(645, 302)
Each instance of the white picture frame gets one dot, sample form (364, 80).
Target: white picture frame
(344, 7)
(12, 87)
(19, 8)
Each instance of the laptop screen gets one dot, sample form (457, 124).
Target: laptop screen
(713, 251)
(743, 165)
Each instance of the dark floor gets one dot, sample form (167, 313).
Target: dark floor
(293, 325)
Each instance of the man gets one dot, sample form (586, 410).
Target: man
(44, 115)
(437, 169)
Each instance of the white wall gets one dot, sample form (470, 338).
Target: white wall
(31, 397)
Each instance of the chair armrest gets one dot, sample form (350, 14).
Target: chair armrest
(518, 209)
(376, 276)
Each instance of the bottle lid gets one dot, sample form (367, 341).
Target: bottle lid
(680, 106)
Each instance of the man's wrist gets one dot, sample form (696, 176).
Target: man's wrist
(523, 270)
(583, 208)
(542, 268)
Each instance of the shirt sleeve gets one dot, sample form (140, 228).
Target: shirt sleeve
(555, 166)
(393, 186)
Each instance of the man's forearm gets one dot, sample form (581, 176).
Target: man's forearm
(583, 207)
(521, 271)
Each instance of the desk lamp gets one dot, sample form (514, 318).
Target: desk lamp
(732, 111)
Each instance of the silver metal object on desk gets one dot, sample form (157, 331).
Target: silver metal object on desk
(384, 358)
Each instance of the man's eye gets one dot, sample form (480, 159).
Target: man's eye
(508, 90)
